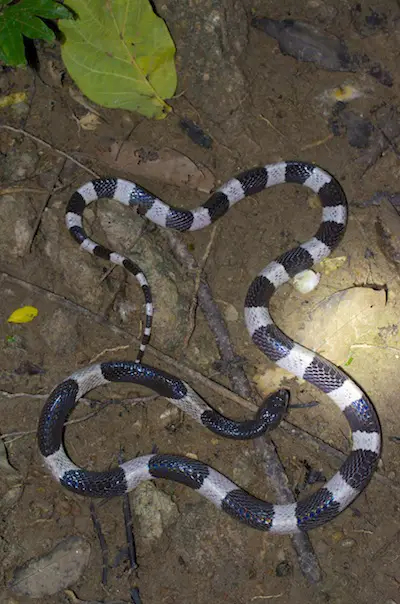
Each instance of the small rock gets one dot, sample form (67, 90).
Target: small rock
(231, 314)
(170, 418)
(348, 543)
(391, 475)
(26, 166)
(306, 281)
(191, 455)
(305, 42)
(155, 511)
(283, 569)
(57, 570)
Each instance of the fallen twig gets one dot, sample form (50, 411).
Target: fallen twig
(199, 272)
(308, 561)
(43, 207)
(84, 418)
(270, 124)
(318, 142)
(102, 542)
(15, 190)
(135, 596)
(130, 538)
(215, 319)
(48, 146)
(275, 471)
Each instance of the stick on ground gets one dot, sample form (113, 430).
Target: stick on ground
(307, 558)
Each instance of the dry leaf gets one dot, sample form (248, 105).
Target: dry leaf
(23, 315)
(89, 121)
(329, 265)
(165, 165)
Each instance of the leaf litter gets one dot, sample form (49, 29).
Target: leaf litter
(165, 165)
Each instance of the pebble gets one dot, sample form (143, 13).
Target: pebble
(306, 281)
(231, 314)
(283, 569)
(191, 455)
(154, 510)
(26, 166)
(53, 572)
(348, 543)
(169, 417)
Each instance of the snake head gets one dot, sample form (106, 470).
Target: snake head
(274, 407)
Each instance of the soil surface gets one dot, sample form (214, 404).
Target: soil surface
(257, 106)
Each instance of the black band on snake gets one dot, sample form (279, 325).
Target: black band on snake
(356, 471)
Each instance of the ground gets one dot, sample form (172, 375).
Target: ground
(258, 106)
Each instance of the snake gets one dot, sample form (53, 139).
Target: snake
(315, 509)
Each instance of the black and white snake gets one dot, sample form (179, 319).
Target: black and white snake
(356, 471)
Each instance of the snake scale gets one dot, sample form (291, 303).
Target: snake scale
(354, 474)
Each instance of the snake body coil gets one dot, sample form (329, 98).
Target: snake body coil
(356, 471)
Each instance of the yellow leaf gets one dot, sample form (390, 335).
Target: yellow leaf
(13, 99)
(345, 93)
(23, 315)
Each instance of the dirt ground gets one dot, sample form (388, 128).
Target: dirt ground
(258, 106)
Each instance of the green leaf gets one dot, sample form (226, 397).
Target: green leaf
(48, 9)
(121, 55)
(35, 28)
(24, 19)
(11, 43)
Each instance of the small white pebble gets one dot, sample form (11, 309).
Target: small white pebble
(348, 543)
(306, 281)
